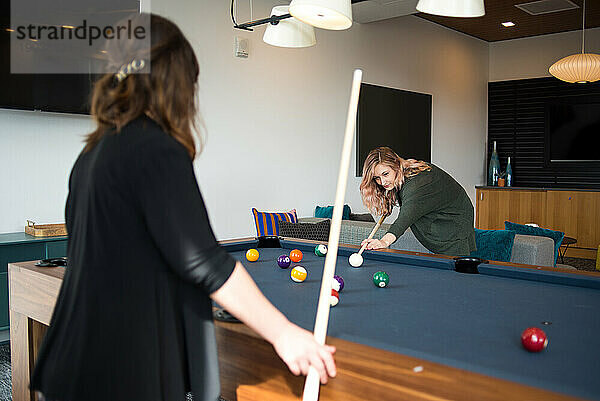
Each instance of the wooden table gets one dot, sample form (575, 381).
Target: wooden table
(249, 368)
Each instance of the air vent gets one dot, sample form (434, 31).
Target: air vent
(546, 6)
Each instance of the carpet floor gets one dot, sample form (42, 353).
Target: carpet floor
(581, 264)
(5, 383)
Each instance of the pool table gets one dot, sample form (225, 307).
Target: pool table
(431, 334)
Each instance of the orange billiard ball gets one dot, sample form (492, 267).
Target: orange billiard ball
(296, 255)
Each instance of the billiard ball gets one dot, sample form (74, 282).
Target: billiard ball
(334, 299)
(340, 281)
(284, 261)
(381, 279)
(355, 260)
(296, 255)
(320, 250)
(252, 255)
(534, 339)
(335, 285)
(298, 274)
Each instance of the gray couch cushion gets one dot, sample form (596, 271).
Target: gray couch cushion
(533, 250)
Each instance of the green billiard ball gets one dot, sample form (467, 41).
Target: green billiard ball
(320, 250)
(381, 279)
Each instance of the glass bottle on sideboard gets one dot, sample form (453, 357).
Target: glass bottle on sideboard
(494, 168)
(509, 174)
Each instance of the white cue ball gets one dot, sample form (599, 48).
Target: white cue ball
(356, 260)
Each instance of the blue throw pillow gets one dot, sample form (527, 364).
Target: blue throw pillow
(494, 244)
(557, 236)
(327, 212)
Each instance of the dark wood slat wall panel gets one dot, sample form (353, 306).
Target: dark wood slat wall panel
(516, 121)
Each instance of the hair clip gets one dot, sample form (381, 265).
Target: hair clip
(129, 68)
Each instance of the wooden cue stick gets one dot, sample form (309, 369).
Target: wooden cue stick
(311, 386)
(362, 248)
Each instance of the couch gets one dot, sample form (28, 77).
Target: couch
(527, 249)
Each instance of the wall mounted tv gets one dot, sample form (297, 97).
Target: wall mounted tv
(64, 93)
(573, 131)
(395, 118)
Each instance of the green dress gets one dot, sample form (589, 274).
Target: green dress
(438, 211)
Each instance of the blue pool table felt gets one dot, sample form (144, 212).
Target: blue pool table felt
(468, 321)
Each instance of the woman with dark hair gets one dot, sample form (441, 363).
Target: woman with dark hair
(133, 320)
(435, 206)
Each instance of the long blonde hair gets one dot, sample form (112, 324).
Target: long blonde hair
(374, 196)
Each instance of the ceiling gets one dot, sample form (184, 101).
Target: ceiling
(489, 26)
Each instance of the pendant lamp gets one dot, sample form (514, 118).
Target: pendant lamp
(289, 32)
(326, 14)
(452, 8)
(582, 67)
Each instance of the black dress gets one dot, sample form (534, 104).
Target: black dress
(133, 318)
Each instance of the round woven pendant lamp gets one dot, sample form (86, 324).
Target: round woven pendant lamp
(578, 68)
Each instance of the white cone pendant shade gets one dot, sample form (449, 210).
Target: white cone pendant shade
(452, 8)
(582, 67)
(325, 14)
(289, 32)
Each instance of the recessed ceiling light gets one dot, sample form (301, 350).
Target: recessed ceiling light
(508, 24)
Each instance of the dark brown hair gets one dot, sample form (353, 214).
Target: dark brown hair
(374, 196)
(165, 91)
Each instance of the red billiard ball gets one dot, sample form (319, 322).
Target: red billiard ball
(534, 339)
(296, 255)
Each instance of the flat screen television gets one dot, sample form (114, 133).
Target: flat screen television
(63, 93)
(573, 131)
(394, 118)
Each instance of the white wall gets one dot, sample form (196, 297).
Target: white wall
(531, 57)
(37, 151)
(275, 121)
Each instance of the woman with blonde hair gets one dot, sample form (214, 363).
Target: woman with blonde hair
(435, 206)
(133, 319)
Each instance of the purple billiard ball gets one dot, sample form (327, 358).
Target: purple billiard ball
(339, 280)
(284, 261)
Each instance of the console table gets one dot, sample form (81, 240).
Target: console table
(576, 212)
(19, 247)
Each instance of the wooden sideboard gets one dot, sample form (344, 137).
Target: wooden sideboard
(574, 212)
(18, 247)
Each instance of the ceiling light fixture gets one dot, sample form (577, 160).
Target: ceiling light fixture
(508, 24)
(289, 32)
(582, 67)
(326, 14)
(452, 8)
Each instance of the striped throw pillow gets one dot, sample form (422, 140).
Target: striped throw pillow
(268, 223)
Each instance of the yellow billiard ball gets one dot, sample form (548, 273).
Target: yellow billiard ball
(252, 255)
(298, 274)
